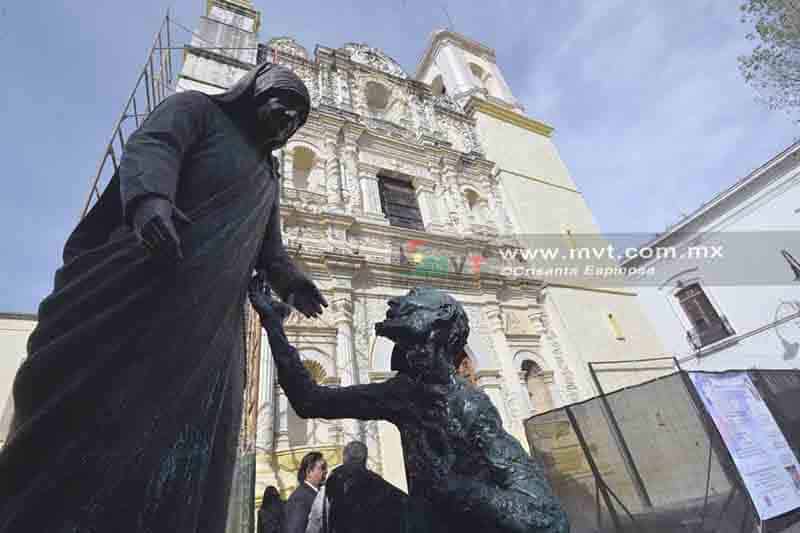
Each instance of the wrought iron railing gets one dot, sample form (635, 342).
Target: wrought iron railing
(701, 337)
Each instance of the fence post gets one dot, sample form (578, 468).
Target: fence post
(598, 480)
(638, 483)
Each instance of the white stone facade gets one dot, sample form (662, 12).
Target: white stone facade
(371, 120)
(742, 248)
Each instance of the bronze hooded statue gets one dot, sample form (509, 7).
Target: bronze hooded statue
(128, 407)
(465, 473)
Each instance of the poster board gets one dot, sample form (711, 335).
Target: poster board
(766, 464)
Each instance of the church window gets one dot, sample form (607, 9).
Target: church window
(399, 203)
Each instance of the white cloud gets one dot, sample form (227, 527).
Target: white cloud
(650, 110)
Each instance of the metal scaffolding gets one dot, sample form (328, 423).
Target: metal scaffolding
(157, 80)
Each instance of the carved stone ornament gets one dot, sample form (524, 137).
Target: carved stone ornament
(289, 46)
(445, 102)
(374, 58)
(518, 323)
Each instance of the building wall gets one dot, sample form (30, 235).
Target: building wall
(14, 333)
(371, 120)
(752, 285)
(545, 205)
(583, 317)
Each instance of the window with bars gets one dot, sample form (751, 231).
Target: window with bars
(399, 203)
(707, 325)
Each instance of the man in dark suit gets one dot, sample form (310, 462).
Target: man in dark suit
(311, 475)
(359, 497)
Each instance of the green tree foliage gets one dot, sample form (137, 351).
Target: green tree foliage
(773, 67)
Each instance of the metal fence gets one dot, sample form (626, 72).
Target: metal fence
(649, 459)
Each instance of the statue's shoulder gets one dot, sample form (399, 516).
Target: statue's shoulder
(194, 100)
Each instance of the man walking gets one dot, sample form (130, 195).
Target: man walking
(311, 475)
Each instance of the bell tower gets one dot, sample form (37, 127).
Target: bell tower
(223, 48)
(462, 68)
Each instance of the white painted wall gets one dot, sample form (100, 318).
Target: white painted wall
(767, 204)
(14, 332)
(543, 200)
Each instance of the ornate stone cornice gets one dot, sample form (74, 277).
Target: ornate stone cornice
(493, 110)
(288, 45)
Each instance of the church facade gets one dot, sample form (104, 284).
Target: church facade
(401, 179)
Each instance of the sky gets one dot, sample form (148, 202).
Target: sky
(651, 114)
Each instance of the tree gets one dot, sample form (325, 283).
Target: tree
(773, 67)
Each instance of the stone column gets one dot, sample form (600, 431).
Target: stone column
(288, 168)
(497, 202)
(266, 399)
(523, 385)
(451, 195)
(350, 164)
(494, 318)
(333, 181)
(490, 382)
(368, 181)
(423, 188)
(282, 436)
(316, 178)
(342, 304)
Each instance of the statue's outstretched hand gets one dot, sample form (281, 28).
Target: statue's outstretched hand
(152, 223)
(304, 296)
(271, 312)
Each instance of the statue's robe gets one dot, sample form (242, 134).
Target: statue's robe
(128, 408)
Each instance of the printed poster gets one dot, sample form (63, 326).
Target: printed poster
(759, 449)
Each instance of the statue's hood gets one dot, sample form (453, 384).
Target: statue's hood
(259, 79)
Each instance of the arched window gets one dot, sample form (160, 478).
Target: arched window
(537, 385)
(437, 86)
(472, 199)
(477, 207)
(303, 165)
(477, 72)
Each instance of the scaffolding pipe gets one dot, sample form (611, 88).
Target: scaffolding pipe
(118, 124)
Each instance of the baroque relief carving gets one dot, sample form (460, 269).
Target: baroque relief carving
(518, 323)
(481, 327)
(374, 58)
(569, 388)
(289, 46)
(445, 102)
